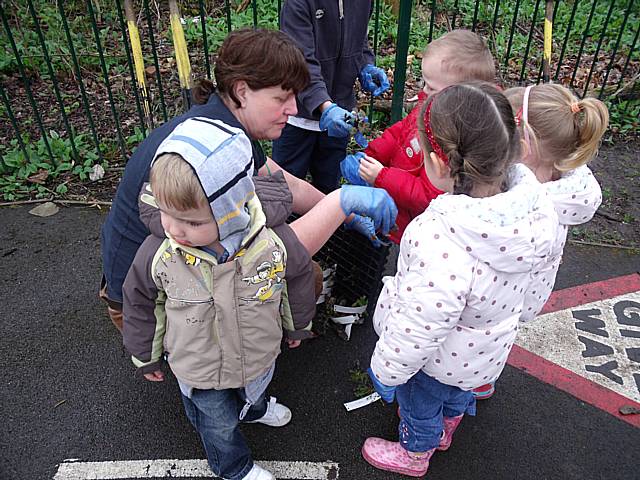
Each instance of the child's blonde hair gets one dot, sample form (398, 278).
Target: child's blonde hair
(175, 184)
(473, 126)
(563, 129)
(465, 56)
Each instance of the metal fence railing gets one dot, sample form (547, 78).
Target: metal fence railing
(82, 82)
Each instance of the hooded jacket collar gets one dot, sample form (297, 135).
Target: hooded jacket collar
(504, 230)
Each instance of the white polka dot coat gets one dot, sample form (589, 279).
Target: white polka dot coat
(576, 196)
(452, 308)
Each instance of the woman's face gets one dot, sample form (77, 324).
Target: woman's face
(264, 112)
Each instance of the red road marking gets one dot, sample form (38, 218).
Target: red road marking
(566, 380)
(591, 292)
(572, 383)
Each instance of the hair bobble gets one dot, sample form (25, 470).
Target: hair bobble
(518, 118)
(432, 141)
(575, 107)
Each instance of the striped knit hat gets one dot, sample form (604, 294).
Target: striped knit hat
(222, 159)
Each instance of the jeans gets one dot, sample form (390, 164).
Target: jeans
(214, 414)
(301, 151)
(424, 401)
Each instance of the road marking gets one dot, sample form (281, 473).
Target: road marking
(167, 468)
(587, 343)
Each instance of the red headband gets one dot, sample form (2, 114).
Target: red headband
(432, 141)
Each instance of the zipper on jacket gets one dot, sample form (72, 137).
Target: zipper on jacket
(191, 302)
(341, 18)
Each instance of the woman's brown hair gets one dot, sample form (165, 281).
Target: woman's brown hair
(262, 58)
(473, 125)
(564, 129)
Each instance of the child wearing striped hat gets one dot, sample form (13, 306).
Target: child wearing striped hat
(207, 295)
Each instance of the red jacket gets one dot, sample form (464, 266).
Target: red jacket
(403, 175)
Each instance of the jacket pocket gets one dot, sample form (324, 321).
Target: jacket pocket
(192, 340)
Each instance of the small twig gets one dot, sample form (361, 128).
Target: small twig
(25, 202)
(598, 244)
(243, 6)
(624, 87)
(83, 202)
(59, 403)
(602, 214)
(68, 55)
(43, 200)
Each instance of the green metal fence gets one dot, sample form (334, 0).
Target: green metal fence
(79, 89)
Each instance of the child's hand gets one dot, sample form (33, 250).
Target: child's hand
(295, 343)
(369, 169)
(156, 376)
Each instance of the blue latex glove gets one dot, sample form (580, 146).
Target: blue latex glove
(349, 168)
(360, 139)
(373, 79)
(386, 393)
(364, 226)
(371, 202)
(335, 120)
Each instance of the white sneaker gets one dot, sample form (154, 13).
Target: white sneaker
(277, 415)
(259, 473)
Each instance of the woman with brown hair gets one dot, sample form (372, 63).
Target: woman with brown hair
(258, 73)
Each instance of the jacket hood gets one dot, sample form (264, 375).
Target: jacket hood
(222, 159)
(576, 196)
(510, 231)
(150, 217)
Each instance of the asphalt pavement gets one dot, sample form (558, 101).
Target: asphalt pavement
(68, 389)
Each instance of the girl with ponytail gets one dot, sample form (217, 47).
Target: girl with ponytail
(449, 317)
(560, 134)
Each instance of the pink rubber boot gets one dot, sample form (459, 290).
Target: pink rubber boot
(484, 391)
(450, 425)
(390, 456)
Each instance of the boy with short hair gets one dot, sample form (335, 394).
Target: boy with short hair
(396, 162)
(208, 295)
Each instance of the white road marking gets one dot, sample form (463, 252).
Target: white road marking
(167, 468)
(599, 341)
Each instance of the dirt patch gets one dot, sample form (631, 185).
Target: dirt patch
(617, 221)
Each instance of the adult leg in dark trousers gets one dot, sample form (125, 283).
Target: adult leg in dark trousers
(301, 151)
(114, 309)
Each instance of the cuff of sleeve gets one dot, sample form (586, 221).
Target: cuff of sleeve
(313, 99)
(380, 178)
(150, 368)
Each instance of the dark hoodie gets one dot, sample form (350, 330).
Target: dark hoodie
(332, 34)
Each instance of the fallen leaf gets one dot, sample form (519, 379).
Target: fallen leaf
(96, 173)
(629, 410)
(39, 177)
(150, 70)
(45, 210)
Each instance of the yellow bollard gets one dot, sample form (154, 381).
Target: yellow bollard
(548, 30)
(182, 55)
(134, 38)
